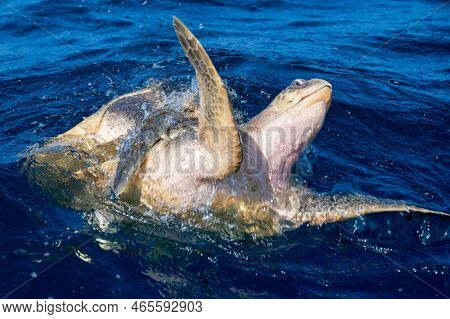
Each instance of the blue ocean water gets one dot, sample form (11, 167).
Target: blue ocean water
(386, 135)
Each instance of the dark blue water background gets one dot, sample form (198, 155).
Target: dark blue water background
(387, 135)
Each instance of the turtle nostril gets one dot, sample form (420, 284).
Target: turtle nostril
(299, 83)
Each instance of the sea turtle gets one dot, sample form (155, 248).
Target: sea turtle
(137, 150)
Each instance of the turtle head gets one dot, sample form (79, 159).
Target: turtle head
(301, 95)
(283, 130)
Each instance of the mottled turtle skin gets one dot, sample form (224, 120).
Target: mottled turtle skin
(192, 160)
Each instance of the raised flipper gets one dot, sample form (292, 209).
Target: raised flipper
(216, 129)
(325, 209)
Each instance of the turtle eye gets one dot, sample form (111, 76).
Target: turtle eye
(299, 83)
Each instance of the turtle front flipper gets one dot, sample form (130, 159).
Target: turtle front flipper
(323, 209)
(217, 130)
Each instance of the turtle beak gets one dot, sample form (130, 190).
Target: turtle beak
(319, 90)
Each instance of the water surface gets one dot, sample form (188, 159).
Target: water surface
(386, 135)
